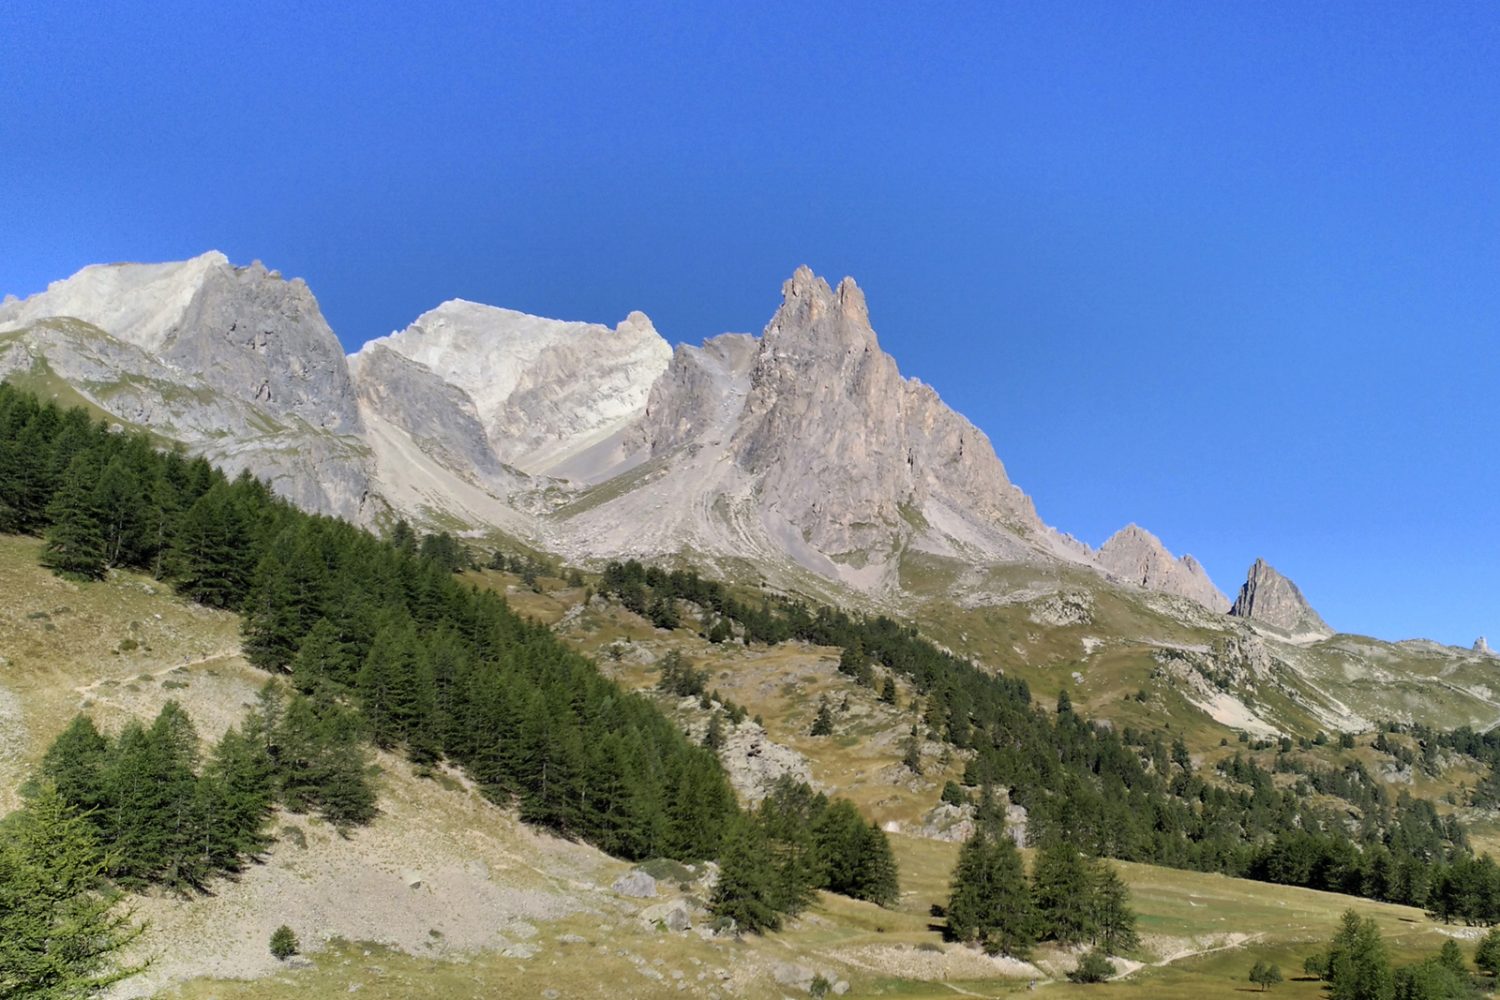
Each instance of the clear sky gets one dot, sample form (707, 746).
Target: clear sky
(1229, 270)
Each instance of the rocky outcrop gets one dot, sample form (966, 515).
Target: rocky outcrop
(830, 416)
(1482, 645)
(316, 470)
(805, 449)
(1268, 598)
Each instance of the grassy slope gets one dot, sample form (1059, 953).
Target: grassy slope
(490, 884)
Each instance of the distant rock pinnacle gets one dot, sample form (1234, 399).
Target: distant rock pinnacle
(1136, 555)
(1270, 598)
(1482, 645)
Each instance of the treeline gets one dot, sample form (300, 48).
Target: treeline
(797, 842)
(1121, 794)
(173, 819)
(435, 668)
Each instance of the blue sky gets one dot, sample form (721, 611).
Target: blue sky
(1231, 271)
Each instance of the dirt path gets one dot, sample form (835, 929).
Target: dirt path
(93, 686)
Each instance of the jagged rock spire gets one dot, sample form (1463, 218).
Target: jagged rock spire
(1271, 599)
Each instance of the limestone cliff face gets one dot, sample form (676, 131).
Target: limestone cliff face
(1269, 598)
(807, 447)
(544, 390)
(235, 363)
(242, 331)
(1135, 555)
(847, 449)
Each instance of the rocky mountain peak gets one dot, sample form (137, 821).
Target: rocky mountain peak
(1139, 557)
(816, 318)
(1269, 598)
(545, 391)
(1482, 645)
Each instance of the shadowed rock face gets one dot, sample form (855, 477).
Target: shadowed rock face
(1270, 598)
(1135, 555)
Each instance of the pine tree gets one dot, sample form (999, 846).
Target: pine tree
(211, 552)
(1061, 889)
(1487, 955)
(322, 658)
(1358, 967)
(232, 803)
(746, 891)
(823, 724)
(1451, 956)
(1110, 914)
(990, 902)
(285, 600)
(151, 785)
(789, 816)
(61, 928)
(403, 539)
(877, 879)
(713, 736)
(912, 756)
(75, 541)
(75, 765)
(284, 943)
(119, 503)
(388, 683)
(888, 690)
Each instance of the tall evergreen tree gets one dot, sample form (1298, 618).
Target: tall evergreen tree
(211, 553)
(61, 929)
(1110, 915)
(75, 765)
(75, 540)
(1358, 966)
(747, 892)
(1061, 888)
(119, 503)
(990, 902)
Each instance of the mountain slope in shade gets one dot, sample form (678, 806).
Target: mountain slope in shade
(1136, 556)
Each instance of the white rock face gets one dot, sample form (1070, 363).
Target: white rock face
(1482, 645)
(544, 390)
(1136, 556)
